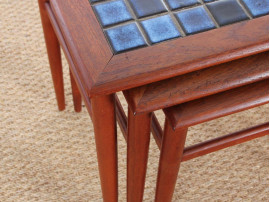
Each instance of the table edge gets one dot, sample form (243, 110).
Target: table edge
(102, 72)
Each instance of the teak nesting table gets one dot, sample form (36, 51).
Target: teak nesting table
(117, 45)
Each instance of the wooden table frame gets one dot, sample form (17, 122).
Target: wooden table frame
(102, 72)
(101, 109)
(99, 73)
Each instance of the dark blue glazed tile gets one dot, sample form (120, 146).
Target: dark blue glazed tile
(207, 1)
(125, 37)
(143, 8)
(257, 7)
(195, 20)
(94, 1)
(227, 11)
(113, 12)
(160, 29)
(175, 4)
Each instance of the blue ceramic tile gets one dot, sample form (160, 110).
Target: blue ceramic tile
(125, 37)
(113, 12)
(227, 11)
(193, 17)
(195, 20)
(175, 4)
(257, 7)
(94, 1)
(143, 8)
(160, 29)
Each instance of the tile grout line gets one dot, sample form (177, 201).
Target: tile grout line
(209, 13)
(137, 21)
(99, 2)
(175, 21)
(240, 2)
(143, 18)
(103, 30)
(168, 11)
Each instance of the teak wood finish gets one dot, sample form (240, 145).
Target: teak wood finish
(77, 99)
(218, 105)
(61, 40)
(99, 73)
(106, 144)
(105, 137)
(137, 146)
(179, 118)
(225, 141)
(54, 56)
(207, 108)
(198, 84)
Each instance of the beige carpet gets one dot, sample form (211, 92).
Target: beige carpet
(46, 155)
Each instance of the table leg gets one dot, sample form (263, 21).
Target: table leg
(77, 98)
(138, 139)
(103, 111)
(54, 55)
(172, 149)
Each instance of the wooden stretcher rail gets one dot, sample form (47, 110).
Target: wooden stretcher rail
(225, 141)
(121, 118)
(201, 148)
(156, 130)
(214, 106)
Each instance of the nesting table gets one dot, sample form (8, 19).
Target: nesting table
(115, 45)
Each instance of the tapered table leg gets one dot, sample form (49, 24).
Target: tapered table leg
(77, 98)
(172, 148)
(103, 115)
(138, 139)
(54, 55)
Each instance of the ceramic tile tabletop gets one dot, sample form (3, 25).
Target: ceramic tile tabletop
(130, 24)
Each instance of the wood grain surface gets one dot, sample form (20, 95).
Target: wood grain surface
(101, 72)
(198, 84)
(183, 55)
(218, 105)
